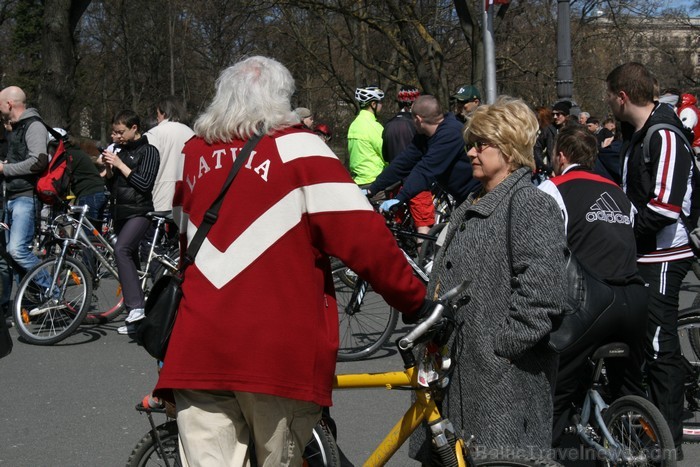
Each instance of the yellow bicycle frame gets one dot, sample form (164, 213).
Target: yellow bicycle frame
(423, 408)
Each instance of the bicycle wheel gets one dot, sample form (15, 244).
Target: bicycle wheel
(689, 333)
(107, 301)
(641, 431)
(146, 452)
(46, 318)
(321, 451)
(515, 462)
(689, 336)
(366, 320)
(342, 272)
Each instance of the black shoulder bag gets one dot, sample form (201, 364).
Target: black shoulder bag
(153, 332)
(587, 297)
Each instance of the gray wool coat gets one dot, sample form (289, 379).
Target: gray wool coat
(502, 384)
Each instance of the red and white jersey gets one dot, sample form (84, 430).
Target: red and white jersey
(259, 312)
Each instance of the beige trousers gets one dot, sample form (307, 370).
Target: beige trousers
(216, 428)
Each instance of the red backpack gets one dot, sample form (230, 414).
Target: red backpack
(54, 182)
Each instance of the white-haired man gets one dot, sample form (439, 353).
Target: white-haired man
(252, 354)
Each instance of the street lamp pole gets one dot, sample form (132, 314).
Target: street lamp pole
(565, 80)
(489, 56)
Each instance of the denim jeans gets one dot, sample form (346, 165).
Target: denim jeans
(20, 217)
(96, 203)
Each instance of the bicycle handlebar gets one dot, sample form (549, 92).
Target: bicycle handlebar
(407, 342)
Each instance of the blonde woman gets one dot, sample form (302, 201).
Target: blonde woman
(501, 388)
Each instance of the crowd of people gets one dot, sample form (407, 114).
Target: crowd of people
(531, 187)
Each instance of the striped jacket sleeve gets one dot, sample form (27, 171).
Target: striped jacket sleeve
(670, 162)
(144, 177)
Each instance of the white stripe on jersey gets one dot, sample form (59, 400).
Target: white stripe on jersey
(296, 145)
(665, 177)
(220, 267)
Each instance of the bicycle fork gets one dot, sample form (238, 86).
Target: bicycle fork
(595, 403)
(358, 295)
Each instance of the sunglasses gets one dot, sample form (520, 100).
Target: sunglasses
(556, 114)
(479, 145)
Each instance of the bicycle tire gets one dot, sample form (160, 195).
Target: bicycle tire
(638, 426)
(322, 450)
(689, 335)
(690, 323)
(364, 332)
(342, 272)
(107, 299)
(62, 314)
(146, 453)
(515, 462)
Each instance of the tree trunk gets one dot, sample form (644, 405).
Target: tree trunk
(57, 85)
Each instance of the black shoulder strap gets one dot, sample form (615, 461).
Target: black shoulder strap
(663, 126)
(212, 213)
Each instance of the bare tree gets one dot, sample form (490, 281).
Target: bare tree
(59, 59)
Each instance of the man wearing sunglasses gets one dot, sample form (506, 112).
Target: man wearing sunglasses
(560, 112)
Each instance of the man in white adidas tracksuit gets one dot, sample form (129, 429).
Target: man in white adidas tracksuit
(657, 177)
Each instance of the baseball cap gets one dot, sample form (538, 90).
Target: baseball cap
(466, 92)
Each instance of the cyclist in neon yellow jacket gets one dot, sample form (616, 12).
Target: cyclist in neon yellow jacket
(365, 137)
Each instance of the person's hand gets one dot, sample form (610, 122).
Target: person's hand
(389, 205)
(607, 142)
(112, 160)
(422, 313)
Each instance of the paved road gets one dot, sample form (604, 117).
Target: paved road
(72, 404)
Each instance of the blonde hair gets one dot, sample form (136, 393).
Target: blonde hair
(508, 124)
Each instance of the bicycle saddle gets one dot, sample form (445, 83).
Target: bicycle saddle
(612, 350)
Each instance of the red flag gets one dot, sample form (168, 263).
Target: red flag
(488, 3)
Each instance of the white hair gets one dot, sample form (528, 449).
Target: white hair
(252, 97)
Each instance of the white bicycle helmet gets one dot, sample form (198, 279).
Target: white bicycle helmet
(368, 94)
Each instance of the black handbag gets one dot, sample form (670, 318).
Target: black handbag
(587, 298)
(153, 332)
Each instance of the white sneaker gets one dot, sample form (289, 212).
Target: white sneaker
(126, 330)
(137, 314)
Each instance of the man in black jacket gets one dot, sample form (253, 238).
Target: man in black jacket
(656, 179)
(599, 231)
